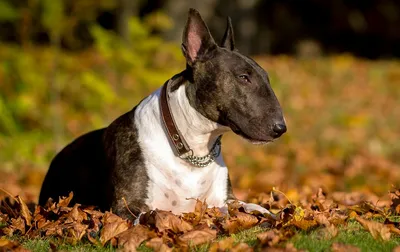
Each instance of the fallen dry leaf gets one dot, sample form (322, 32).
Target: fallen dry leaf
(393, 226)
(165, 220)
(241, 247)
(222, 245)
(25, 213)
(288, 248)
(228, 244)
(246, 220)
(330, 230)
(7, 245)
(157, 244)
(198, 236)
(130, 239)
(16, 225)
(76, 215)
(77, 231)
(113, 225)
(239, 222)
(64, 201)
(165, 231)
(269, 238)
(340, 247)
(95, 221)
(305, 224)
(200, 209)
(377, 230)
(395, 204)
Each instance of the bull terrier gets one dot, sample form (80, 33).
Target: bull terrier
(166, 151)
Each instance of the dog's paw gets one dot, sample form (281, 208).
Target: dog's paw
(250, 208)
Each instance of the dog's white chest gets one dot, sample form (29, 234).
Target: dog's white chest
(173, 184)
(177, 188)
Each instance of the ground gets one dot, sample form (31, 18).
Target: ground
(328, 178)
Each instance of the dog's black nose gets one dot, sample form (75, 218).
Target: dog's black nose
(279, 129)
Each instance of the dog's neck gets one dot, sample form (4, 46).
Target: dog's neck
(199, 132)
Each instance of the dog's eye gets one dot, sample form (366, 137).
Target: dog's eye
(244, 77)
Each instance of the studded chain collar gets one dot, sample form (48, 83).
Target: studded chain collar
(182, 149)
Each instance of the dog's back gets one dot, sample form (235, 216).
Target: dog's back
(81, 168)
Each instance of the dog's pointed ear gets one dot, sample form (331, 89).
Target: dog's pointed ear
(197, 42)
(228, 41)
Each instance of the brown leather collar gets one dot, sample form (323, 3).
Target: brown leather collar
(176, 137)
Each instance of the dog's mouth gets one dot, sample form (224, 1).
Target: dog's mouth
(236, 129)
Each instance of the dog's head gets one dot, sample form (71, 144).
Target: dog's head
(228, 87)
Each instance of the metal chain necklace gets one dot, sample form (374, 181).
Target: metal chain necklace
(207, 159)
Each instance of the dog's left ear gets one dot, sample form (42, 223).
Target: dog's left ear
(228, 41)
(197, 42)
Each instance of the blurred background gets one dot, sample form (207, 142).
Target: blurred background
(68, 67)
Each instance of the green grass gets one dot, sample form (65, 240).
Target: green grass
(43, 245)
(352, 234)
(248, 236)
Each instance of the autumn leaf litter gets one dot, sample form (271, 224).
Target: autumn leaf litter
(164, 231)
